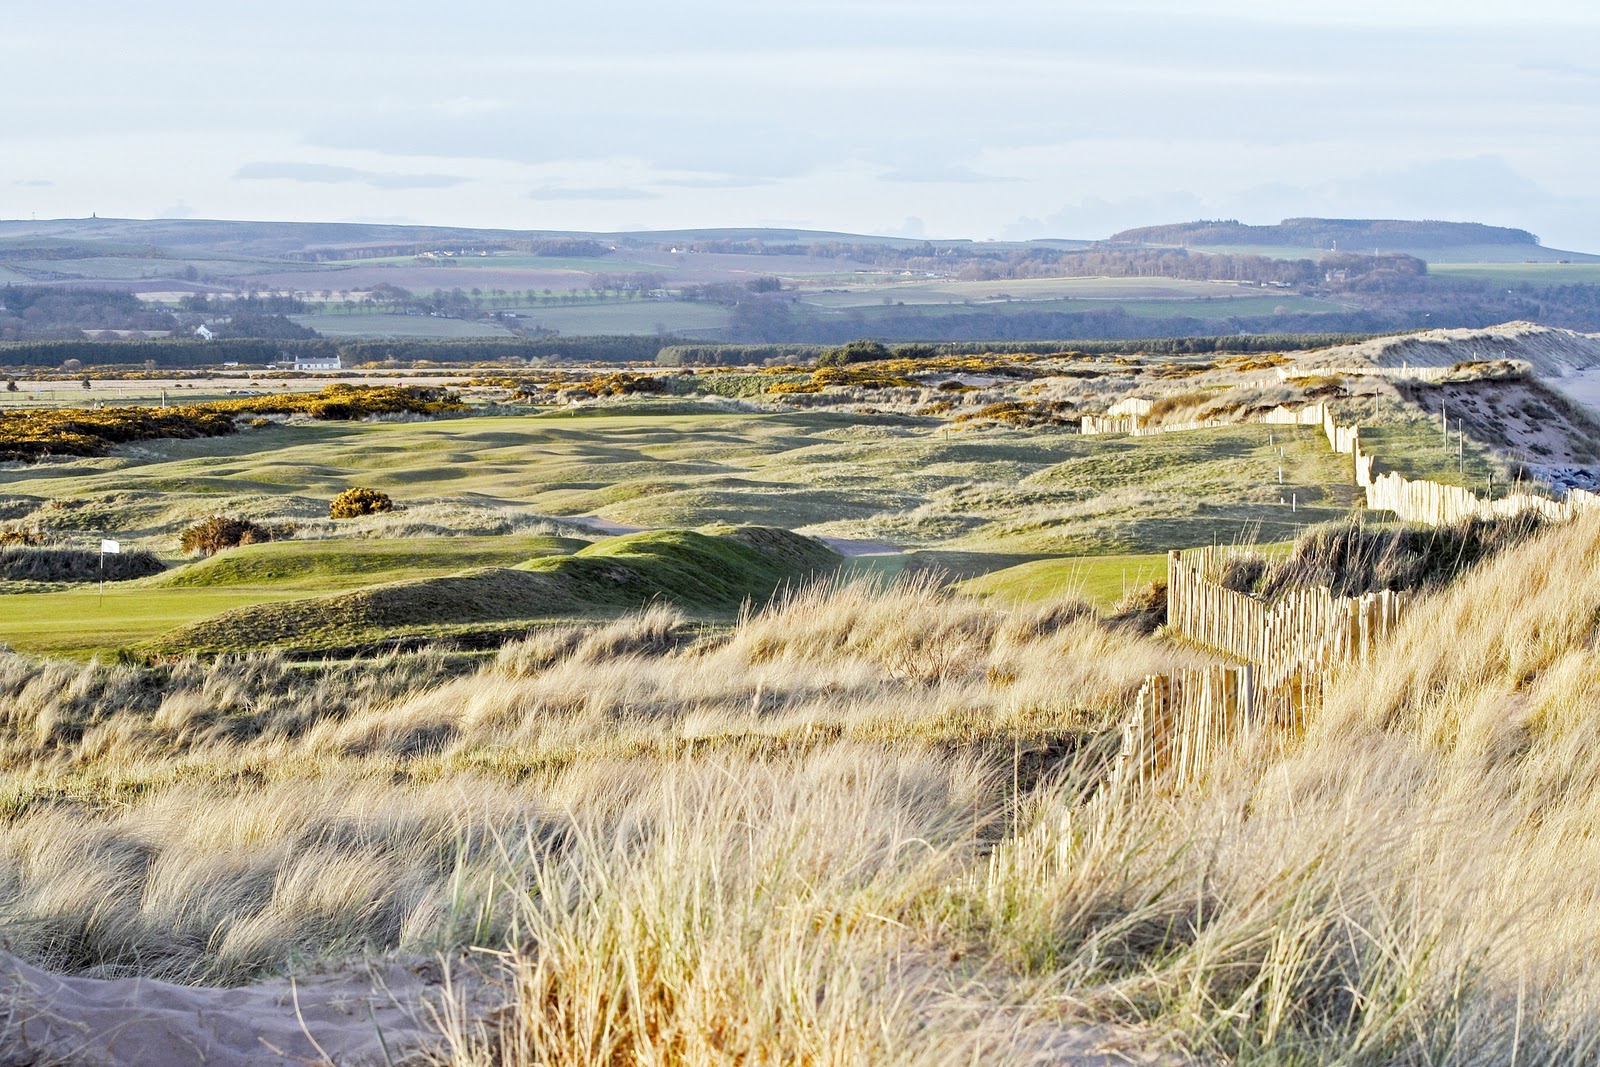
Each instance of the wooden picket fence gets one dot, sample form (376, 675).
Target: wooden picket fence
(1410, 499)
(1133, 425)
(1274, 637)
(1403, 372)
(1288, 652)
(1285, 653)
(1100, 424)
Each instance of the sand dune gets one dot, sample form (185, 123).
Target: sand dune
(1551, 352)
(358, 1014)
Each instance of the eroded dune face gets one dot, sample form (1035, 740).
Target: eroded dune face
(1551, 352)
(358, 1014)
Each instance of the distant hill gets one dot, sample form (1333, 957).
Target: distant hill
(236, 237)
(65, 281)
(1333, 234)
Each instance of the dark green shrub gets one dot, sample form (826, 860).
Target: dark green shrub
(860, 351)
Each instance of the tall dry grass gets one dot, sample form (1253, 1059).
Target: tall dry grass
(1411, 883)
(208, 821)
(860, 828)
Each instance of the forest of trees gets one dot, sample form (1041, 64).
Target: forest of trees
(34, 311)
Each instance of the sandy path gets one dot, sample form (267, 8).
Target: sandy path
(357, 1014)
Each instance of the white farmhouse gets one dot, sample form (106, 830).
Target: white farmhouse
(318, 363)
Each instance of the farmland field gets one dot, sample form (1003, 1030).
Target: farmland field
(955, 292)
(1214, 307)
(334, 324)
(628, 316)
(1576, 273)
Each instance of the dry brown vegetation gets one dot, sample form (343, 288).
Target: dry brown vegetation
(860, 828)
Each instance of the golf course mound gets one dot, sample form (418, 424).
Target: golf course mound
(705, 573)
(351, 561)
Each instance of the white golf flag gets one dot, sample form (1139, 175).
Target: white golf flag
(111, 546)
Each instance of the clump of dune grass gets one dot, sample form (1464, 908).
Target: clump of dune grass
(47, 563)
(1353, 557)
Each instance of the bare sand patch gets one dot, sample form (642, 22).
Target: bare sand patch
(359, 1013)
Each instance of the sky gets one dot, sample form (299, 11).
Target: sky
(1001, 119)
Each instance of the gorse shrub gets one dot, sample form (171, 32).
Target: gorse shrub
(353, 503)
(218, 532)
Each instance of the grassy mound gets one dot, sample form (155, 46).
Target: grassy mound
(709, 574)
(360, 560)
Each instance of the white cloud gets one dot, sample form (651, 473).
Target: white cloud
(329, 174)
(1013, 117)
(603, 192)
(944, 175)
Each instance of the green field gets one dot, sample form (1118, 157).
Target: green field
(1217, 308)
(628, 317)
(1102, 580)
(885, 477)
(585, 264)
(383, 324)
(1576, 273)
(1156, 298)
(962, 502)
(1416, 450)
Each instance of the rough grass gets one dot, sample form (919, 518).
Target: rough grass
(29, 563)
(1353, 558)
(235, 816)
